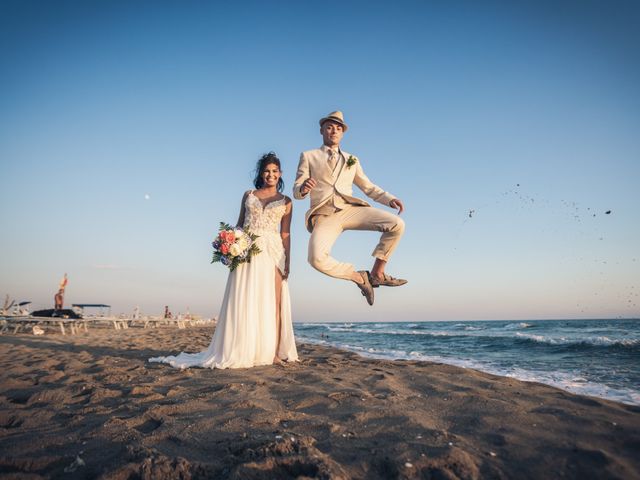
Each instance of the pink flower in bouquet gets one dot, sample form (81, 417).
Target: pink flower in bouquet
(224, 248)
(228, 236)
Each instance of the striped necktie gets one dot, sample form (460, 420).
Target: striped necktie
(333, 160)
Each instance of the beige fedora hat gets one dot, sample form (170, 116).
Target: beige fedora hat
(335, 117)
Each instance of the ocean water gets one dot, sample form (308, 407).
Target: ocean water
(590, 357)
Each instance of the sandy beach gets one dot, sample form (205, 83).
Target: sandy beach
(91, 406)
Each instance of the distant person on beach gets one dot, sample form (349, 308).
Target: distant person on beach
(8, 303)
(254, 326)
(329, 173)
(167, 312)
(58, 300)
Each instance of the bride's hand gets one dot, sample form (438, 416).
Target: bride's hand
(285, 275)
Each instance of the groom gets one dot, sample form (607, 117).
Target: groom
(328, 173)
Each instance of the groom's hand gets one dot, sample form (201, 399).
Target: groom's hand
(308, 185)
(397, 203)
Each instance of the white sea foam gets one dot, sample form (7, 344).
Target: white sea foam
(575, 384)
(516, 326)
(571, 382)
(560, 338)
(316, 324)
(434, 333)
(563, 340)
(467, 327)
(352, 330)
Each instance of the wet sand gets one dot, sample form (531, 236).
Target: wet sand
(91, 406)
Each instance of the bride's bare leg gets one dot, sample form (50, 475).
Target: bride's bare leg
(278, 282)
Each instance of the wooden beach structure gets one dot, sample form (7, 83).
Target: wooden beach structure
(18, 324)
(23, 323)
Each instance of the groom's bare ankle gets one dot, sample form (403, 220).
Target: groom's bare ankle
(377, 275)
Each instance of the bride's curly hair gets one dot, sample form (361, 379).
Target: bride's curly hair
(267, 159)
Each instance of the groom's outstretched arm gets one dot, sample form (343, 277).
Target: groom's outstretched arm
(301, 175)
(370, 189)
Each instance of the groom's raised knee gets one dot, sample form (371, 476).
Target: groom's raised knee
(317, 261)
(398, 226)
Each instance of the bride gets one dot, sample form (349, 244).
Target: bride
(254, 326)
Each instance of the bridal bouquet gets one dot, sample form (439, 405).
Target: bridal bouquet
(234, 246)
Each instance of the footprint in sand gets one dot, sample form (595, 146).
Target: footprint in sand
(149, 426)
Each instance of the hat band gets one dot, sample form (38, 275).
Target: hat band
(333, 119)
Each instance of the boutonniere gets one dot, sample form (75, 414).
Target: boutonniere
(351, 161)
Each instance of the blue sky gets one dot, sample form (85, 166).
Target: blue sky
(528, 114)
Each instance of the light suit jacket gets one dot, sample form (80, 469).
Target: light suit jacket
(314, 163)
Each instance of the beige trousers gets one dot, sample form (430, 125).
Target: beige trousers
(328, 228)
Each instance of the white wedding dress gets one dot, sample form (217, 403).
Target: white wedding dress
(245, 334)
